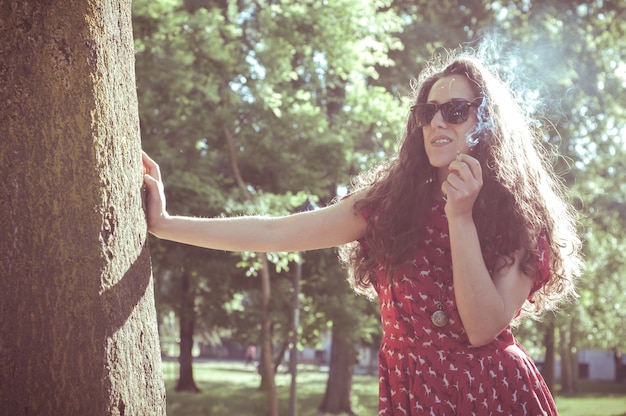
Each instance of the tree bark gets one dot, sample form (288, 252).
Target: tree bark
(569, 359)
(268, 381)
(78, 333)
(574, 354)
(566, 368)
(339, 384)
(548, 364)
(284, 345)
(187, 317)
(266, 368)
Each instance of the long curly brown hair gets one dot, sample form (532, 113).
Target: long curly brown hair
(521, 198)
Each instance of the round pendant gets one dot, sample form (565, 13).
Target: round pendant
(439, 318)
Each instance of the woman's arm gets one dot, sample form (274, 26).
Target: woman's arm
(486, 302)
(331, 226)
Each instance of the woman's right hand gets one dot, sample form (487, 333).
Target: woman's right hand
(462, 186)
(155, 199)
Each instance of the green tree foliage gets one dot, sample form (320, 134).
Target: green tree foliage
(573, 50)
(566, 63)
(312, 92)
(288, 84)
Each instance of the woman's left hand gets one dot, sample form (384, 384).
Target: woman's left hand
(155, 200)
(461, 187)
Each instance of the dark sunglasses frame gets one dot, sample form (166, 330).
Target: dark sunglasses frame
(453, 112)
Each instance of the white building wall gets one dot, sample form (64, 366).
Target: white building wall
(601, 364)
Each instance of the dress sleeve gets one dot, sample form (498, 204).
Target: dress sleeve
(366, 213)
(542, 264)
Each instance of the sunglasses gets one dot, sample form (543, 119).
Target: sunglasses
(453, 112)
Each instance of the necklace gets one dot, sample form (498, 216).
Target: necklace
(439, 318)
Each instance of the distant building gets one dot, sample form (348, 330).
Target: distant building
(597, 365)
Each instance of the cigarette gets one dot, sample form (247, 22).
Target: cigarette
(458, 156)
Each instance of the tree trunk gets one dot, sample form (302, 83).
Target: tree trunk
(566, 361)
(548, 364)
(574, 354)
(268, 381)
(78, 332)
(187, 317)
(617, 359)
(284, 345)
(266, 368)
(569, 359)
(339, 384)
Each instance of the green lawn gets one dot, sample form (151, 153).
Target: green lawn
(597, 398)
(231, 388)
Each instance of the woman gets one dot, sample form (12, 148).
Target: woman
(462, 233)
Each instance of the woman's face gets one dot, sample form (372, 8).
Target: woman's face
(442, 140)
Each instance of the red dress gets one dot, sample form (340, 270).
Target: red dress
(428, 370)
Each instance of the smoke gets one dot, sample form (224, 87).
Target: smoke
(483, 127)
(528, 71)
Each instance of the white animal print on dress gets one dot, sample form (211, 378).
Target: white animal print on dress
(429, 370)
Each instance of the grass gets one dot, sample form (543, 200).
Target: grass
(231, 388)
(596, 398)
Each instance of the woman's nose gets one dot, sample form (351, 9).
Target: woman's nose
(437, 119)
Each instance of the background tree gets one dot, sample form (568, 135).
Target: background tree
(172, 93)
(312, 93)
(78, 333)
(353, 322)
(268, 80)
(565, 62)
(580, 96)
